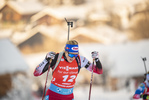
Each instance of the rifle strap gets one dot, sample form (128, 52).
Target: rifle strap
(58, 60)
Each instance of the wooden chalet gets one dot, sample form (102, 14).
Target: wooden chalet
(44, 38)
(84, 35)
(17, 11)
(47, 16)
(40, 39)
(11, 67)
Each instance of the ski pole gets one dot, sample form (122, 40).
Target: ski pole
(144, 59)
(69, 23)
(46, 79)
(91, 81)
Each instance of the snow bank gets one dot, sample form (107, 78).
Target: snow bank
(126, 57)
(11, 59)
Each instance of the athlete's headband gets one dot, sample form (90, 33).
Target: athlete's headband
(72, 48)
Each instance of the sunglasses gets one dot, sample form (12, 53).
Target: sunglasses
(72, 55)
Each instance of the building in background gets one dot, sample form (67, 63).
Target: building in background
(18, 12)
(15, 82)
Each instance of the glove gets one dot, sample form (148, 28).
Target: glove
(95, 54)
(144, 96)
(136, 96)
(50, 55)
(141, 96)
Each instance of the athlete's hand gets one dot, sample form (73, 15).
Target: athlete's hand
(144, 96)
(95, 54)
(50, 55)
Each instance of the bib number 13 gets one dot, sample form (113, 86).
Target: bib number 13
(69, 78)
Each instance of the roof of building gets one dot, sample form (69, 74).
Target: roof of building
(25, 7)
(11, 60)
(47, 11)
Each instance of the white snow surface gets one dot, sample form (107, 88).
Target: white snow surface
(126, 57)
(11, 59)
(21, 89)
(99, 93)
(26, 7)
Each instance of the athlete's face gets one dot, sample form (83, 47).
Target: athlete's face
(69, 57)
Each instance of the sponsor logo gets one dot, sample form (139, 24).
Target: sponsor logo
(62, 59)
(67, 68)
(59, 89)
(75, 48)
(67, 48)
(66, 83)
(47, 97)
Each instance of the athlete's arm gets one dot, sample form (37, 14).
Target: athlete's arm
(44, 65)
(139, 91)
(97, 68)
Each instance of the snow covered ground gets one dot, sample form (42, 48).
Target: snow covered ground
(98, 93)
